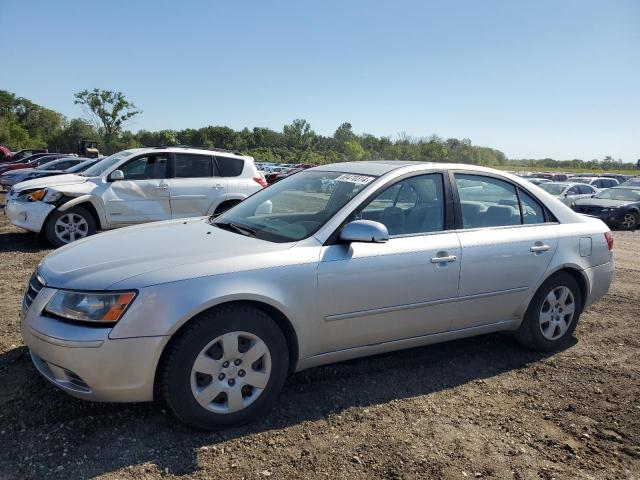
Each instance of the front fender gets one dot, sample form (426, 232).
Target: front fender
(86, 199)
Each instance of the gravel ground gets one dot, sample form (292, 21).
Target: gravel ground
(477, 408)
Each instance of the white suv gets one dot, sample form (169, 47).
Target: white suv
(133, 186)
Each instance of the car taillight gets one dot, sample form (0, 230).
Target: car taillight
(609, 237)
(260, 181)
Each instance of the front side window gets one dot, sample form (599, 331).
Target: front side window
(586, 190)
(410, 207)
(149, 167)
(491, 202)
(193, 166)
(295, 207)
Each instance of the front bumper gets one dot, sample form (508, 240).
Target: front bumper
(84, 362)
(612, 219)
(28, 215)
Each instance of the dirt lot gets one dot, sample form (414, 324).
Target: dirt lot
(475, 408)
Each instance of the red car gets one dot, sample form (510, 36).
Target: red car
(5, 154)
(30, 162)
(19, 155)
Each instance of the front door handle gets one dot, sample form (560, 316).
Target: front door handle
(539, 248)
(447, 259)
(217, 187)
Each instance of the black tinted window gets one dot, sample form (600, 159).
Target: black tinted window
(146, 168)
(229, 167)
(193, 166)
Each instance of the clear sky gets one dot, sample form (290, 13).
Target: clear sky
(543, 78)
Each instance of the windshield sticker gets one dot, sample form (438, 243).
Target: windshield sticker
(352, 178)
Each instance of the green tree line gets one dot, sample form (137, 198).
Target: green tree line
(24, 124)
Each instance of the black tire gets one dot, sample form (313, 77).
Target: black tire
(530, 333)
(56, 215)
(175, 374)
(633, 224)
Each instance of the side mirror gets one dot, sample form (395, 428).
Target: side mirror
(265, 208)
(364, 231)
(116, 175)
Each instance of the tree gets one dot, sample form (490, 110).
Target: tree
(108, 111)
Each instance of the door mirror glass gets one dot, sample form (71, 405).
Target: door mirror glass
(116, 175)
(364, 231)
(265, 208)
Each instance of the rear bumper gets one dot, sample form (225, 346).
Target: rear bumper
(28, 215)
(600, 278)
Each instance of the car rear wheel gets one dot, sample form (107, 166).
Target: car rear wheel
(552, 315)
(226, 369)
(68, 226)
(629, 221)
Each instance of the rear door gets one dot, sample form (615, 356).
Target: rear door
(507, 239)
(143, 195)
(230, 171)
(196, 189)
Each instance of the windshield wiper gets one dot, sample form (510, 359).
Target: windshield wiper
(246, 231)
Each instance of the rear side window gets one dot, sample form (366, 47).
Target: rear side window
(491, 202)
(229, 167)
(532, 211)
(585, 189)
(193, 166)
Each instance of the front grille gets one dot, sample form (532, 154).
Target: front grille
(35, 285)
(582, 209)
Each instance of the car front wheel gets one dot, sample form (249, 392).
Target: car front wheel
(552, 315)
(226, 369)
(68, 226)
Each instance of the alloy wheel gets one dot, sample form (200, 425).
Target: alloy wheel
(629, 221)
(70, 227)
(231, 372)
(557, 312)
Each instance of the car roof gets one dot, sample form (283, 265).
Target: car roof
(177, 149)
(381, 167)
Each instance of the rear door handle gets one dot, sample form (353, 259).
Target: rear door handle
(217, 187)
(449, 258)
(539, 248)
(162, 187)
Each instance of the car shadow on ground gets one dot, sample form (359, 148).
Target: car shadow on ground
(136, 434)
(22, 242)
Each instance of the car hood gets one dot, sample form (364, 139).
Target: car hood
(68, 179)
(602, 202)
(153, 253)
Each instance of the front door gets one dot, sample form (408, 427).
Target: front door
(507, 244)
(143, 195)
(377, 292)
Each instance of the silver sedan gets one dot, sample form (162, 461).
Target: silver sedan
(212, 314)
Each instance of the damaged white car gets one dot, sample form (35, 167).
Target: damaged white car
(133, 186)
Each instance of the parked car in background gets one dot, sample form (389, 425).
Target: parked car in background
(8, 179)
(619, 177)
(5, 154)
(133, 186)
(214, 313)
(33, 161)
(631, 182)
(599, 183)
(537, 181)
(28, 152)
(618, 207)
(568, 192)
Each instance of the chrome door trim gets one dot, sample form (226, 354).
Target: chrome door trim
(412, 306)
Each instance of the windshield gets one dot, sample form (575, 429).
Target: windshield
(80, 167)
(553, 188)
(106, 163)
(620, 194)
(294, 208)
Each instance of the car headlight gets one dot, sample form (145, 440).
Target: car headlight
(105, 308)
(44, 195)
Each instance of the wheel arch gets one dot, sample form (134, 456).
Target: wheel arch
(275, 313)
(227, 204)
(577, 273)
(85, 201)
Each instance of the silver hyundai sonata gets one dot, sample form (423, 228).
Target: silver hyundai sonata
(213, 313)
